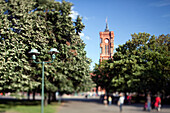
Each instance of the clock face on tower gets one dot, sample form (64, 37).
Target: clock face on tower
(106, 41)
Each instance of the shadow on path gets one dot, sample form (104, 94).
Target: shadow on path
(93, 100)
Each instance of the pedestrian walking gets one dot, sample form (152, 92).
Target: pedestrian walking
(105, 100)
(149, 102)
(129, 98)
(158, 103)
(121, 101)
(110, 100)
(145, 106)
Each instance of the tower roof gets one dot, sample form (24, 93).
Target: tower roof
(107, 29)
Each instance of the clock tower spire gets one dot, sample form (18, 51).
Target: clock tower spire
(107, 43)
(107, 29)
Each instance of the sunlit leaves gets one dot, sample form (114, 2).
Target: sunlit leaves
(141, 64)
(27, 24)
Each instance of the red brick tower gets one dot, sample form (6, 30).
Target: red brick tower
(107, 44)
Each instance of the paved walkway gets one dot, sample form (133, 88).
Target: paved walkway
(93, 106)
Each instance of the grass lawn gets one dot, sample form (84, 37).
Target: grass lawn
(14, 106)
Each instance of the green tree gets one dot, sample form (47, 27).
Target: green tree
(78, 25)
(103, 76)
(141, 65)
(15, 70)
(44, 25)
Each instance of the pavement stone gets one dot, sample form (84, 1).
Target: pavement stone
(94, 106)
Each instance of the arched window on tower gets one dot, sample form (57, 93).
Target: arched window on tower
(107, 49)
(106, 46)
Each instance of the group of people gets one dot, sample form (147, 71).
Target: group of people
(157, 103)
(109, 100)
(147, 106)
(120, 101)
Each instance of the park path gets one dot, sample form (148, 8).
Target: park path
(90, 106)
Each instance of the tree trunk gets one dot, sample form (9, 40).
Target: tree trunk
(106, 91)
(137, 98)
(28, 95)
(54, 96)
(45, 100)
(125, 95)
(49, 97)
(33, 96)
(97, 89)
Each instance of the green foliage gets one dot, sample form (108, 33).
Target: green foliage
(79, 25)
(141, 64)
(42, 25)
(15, 70)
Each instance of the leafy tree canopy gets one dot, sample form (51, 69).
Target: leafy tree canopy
(141, 65)
(41, 24)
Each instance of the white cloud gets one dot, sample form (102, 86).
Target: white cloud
(115, 46)
(84, 37)
(72, 8)
(81, 35)
(74, 14)
(86, 18)
(87, 37)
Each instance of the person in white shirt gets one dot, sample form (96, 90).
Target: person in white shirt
(121, 101)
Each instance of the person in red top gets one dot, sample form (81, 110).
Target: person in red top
(129, 98)
(158, 103)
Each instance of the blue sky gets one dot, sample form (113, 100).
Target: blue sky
(125, 17)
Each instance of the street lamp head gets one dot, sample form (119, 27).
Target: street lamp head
(53, 51)
(34, 51)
